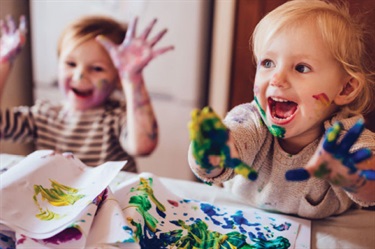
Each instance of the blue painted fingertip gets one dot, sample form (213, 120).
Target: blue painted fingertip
(297, 175)
(331, 136)
(368, 174)
(361, 155)
(252, 176)
(351, 136)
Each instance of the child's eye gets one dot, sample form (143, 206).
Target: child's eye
(267, 63)
(70, 63)
(302, 68)
(98, 69)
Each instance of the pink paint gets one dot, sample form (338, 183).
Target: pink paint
(173, 203)
(71, 233)
(323, 98)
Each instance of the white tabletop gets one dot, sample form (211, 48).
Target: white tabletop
(354, 229)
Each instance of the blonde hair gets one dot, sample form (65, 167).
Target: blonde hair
(88, 28)
(343, 35)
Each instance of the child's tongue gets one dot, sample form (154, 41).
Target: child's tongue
(284, 109)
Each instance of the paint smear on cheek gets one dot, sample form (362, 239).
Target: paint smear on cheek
(102, 84)
(322, 103)
(323, 100)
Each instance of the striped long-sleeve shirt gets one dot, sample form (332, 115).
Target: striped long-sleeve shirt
(94, 136)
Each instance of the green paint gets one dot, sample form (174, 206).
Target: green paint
(142, 203)
(196, 235)
(209, 138)
(47, 215)
(146, 187)
(322, 171)
(275, 130)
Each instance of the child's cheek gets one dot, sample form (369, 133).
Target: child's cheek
(104, 86)
(321, 103)
(64, 82)
(103, 89)
(256, 90)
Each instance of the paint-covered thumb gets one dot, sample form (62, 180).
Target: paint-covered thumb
(300, 174)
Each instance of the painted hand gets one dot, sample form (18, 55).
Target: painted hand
(131, 57)
(12, 38)
(333, 161)
(209, 144)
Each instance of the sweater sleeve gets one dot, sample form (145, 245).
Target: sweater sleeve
(17, 124)
(248, 131)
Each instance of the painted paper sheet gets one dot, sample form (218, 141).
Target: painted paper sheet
(46, 192)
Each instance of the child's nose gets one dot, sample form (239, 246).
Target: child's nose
(78, 75)
(279, 79)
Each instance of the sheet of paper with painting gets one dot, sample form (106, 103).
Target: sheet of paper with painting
(138, 213)
(46, 192)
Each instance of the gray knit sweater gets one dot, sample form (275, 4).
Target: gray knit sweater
(314, 198)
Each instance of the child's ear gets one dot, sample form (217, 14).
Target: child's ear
(348, 93)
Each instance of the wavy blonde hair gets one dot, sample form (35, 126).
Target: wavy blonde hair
(343, 34)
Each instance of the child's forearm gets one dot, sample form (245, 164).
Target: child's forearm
(142, 128)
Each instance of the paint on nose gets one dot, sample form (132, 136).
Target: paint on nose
(78, 76)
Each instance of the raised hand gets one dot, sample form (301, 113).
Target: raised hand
(333, 161)
(135, 52)
(209, 144)
(12, 38)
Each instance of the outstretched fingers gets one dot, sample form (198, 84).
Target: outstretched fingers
(10, 24)
(147, 31)
(158, 37)
(22, 25)
(160, 51)
(361, 155)
(350, 137)
(130, 33)
(331, 137)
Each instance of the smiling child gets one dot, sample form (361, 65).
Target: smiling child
(311, 80)
(97, 56)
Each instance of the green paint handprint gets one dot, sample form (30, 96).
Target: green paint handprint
(209, 144)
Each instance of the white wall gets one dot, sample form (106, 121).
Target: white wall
(221, 57)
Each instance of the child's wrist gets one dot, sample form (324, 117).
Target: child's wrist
(131, 77)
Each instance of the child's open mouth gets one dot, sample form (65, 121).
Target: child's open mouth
(82, 93)
(282, 110)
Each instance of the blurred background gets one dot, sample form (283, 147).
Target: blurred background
(211, 65)
(177, 81)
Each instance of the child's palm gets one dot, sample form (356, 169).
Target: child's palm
(334, 163)
(134, 53)
(12, 39)
(209, 144)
